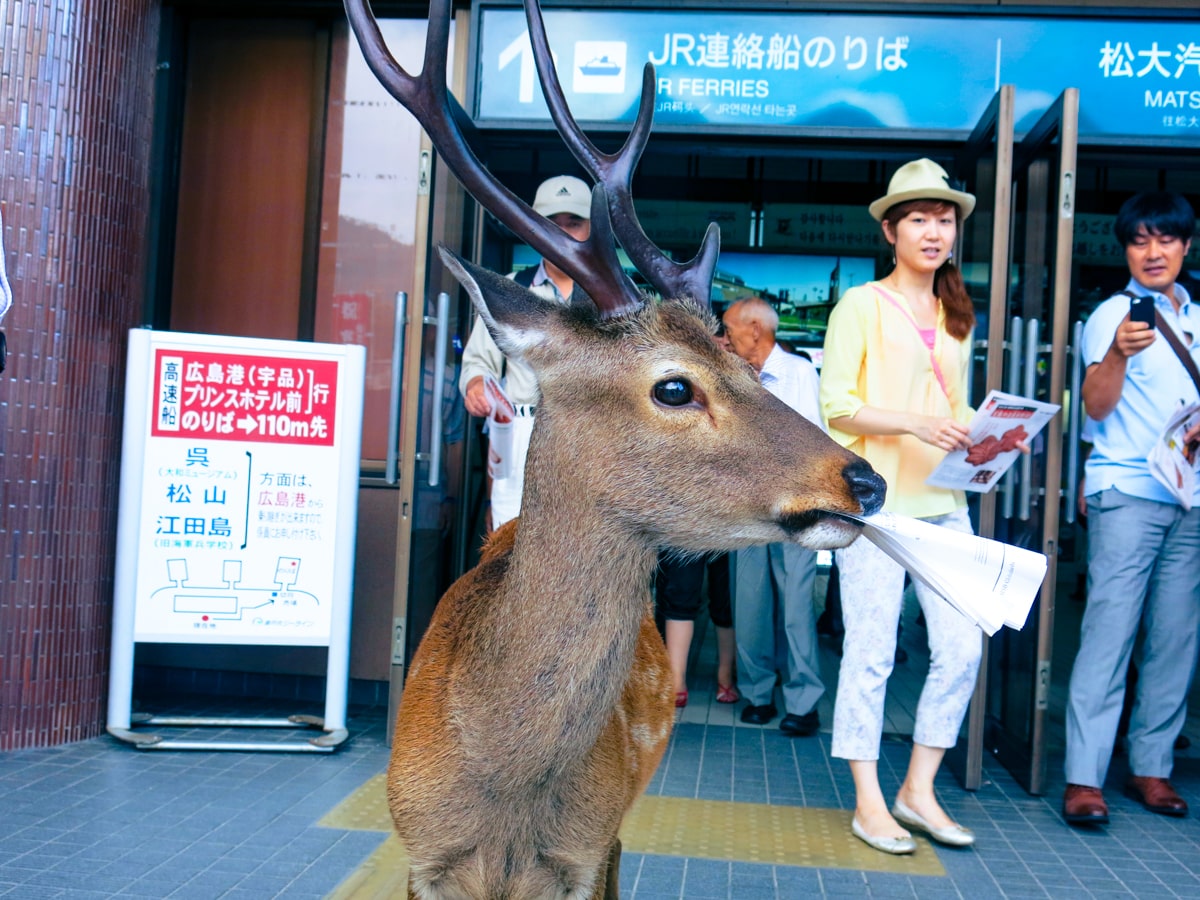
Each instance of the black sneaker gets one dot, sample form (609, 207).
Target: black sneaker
(801, 726)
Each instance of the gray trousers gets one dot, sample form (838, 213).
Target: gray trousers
(1143, 568)
(775, 625)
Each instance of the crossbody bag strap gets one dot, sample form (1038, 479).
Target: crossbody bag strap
(1173, 339)
(937, 369)
(1177, 345)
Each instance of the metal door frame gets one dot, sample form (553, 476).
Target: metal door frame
(991, 140)
(1027, 762)
(426, 268)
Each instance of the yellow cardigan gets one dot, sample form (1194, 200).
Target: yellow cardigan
(874, 356)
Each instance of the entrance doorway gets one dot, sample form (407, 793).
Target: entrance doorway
(1028, 224)
(300, 201)
(353, 206)
(1038, 193)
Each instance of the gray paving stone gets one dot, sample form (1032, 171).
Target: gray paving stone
(98, 819)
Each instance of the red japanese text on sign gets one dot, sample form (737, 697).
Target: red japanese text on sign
(240, 397)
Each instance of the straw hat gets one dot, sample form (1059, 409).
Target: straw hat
(563, 194)
(921, 179)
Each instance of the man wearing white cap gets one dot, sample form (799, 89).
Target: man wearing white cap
(566, 201)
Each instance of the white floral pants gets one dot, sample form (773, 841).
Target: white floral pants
(872, 588)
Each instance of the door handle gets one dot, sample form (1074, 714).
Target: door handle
(1076, 425)
(1013, 386)
(439, 388)
(393, 435)
(1032, 332)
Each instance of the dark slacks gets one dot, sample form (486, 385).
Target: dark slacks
(679, 589)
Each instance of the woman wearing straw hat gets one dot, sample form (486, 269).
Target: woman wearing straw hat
(894, 390)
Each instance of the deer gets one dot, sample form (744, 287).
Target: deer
(540, 700)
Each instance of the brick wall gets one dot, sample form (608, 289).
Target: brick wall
(76, 85)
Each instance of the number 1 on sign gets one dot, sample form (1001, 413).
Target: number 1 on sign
(522, 49)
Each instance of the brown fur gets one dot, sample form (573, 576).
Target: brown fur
(540, 701)
(620, 765)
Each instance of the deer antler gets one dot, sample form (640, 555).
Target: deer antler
(593, 264)
(677, 280)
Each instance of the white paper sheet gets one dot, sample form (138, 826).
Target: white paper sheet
(500, 429)
(1171, 461)
(990, 582)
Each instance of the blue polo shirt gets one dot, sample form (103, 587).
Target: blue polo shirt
(1156, 385)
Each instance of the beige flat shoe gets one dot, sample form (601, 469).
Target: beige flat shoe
(951, 835)
(894, 846)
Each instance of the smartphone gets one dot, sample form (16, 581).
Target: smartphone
(1141, 309)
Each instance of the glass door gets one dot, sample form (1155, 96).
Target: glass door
(1027, 508)
(380, 214)
(987, 162)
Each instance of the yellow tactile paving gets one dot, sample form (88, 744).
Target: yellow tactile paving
(384, 875)
(669, 826)
(755, 832)
(364, 810)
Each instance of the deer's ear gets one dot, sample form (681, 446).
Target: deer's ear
(517, 318)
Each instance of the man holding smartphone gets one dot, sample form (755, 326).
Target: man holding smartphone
(1143, 547)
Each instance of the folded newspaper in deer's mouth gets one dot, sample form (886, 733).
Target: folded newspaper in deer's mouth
(989, 582)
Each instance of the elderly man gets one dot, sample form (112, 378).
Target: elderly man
(567, 202)
(773, 585)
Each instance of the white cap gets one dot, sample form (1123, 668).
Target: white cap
(563, 194)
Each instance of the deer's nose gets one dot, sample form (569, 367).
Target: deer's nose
(866, 486)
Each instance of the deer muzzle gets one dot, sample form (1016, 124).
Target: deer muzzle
(866, 486)
(829, 528)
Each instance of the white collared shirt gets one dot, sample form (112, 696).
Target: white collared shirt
(793, 379)
(1156, 385)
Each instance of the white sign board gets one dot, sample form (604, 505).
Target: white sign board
(239, 489)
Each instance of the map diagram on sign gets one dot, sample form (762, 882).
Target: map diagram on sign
(232, 601)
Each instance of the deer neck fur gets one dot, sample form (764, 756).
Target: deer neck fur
(555, 646)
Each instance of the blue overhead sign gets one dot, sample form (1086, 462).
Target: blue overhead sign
(1137, 78)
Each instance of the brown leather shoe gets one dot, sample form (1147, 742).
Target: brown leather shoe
(1156, 794)
(1083, 805)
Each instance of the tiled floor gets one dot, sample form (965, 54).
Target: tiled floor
(101, 819)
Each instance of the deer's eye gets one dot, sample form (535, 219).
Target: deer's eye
(673, 392)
